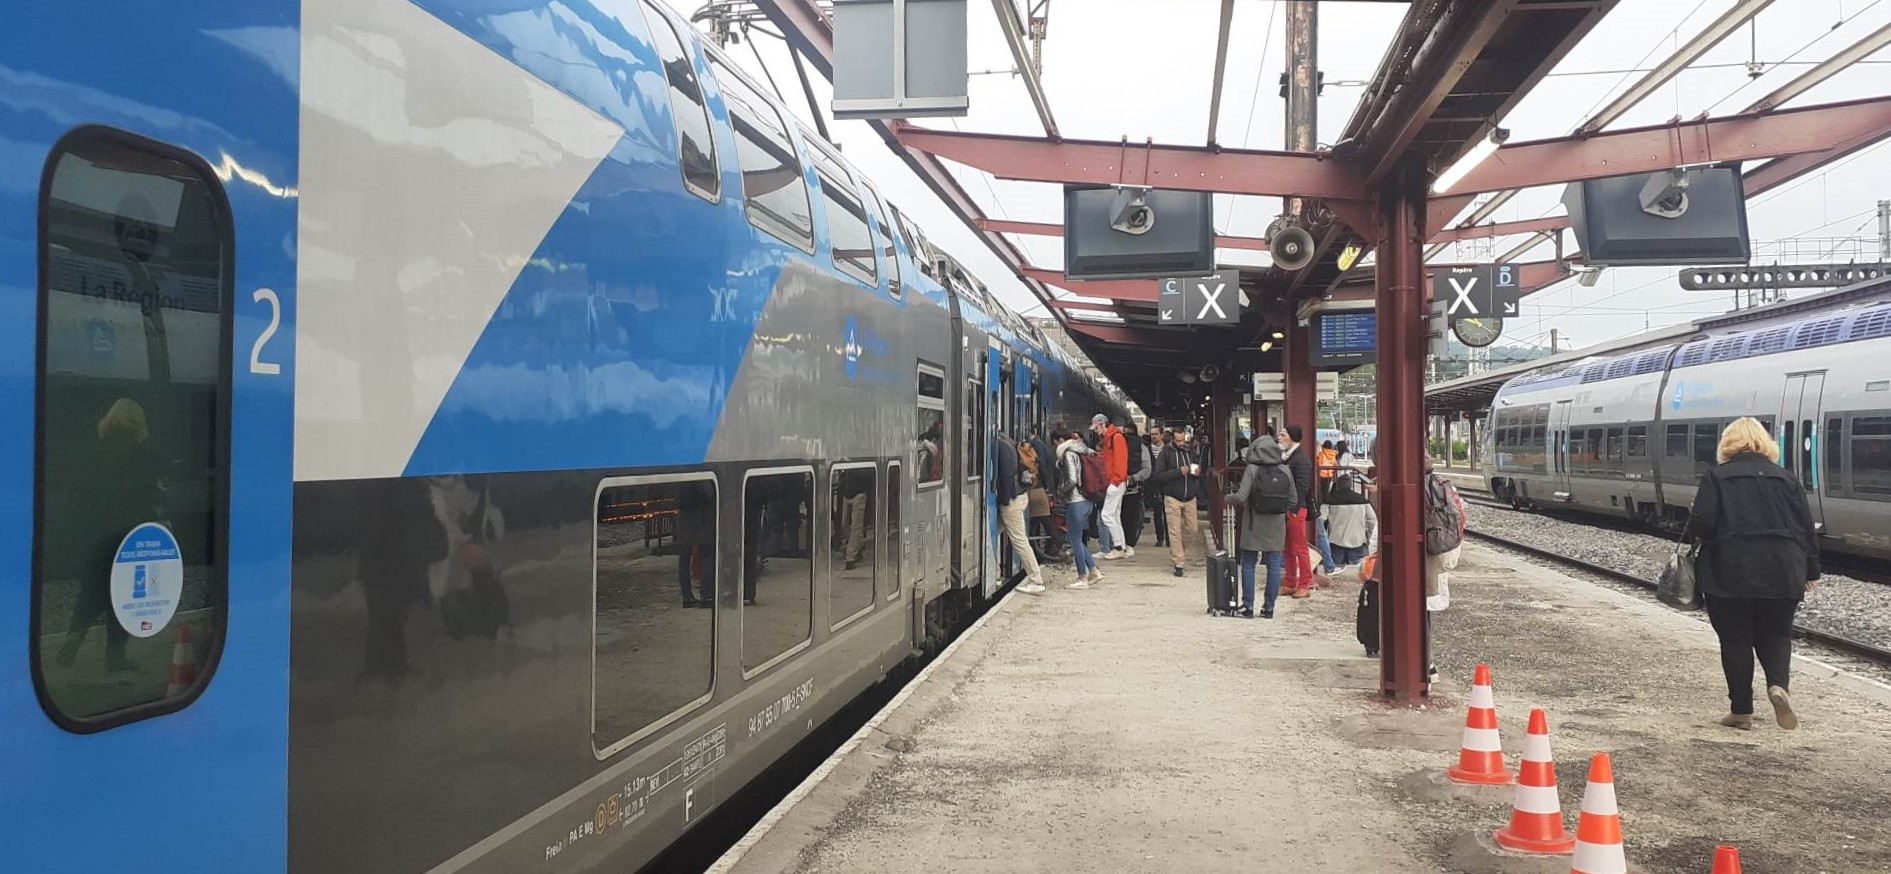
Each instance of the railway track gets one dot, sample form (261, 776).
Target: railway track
(1850, 645)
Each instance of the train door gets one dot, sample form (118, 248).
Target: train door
(1559, 449)
(1798, 433)
(972, 495)
(997, 550)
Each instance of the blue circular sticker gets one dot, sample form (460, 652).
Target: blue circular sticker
(147, 578)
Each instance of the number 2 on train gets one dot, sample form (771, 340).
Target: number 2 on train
(257, 364)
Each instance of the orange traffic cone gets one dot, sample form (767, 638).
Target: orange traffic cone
(1481, 755)
(183, 664)
(1726, 861)
(1536, 817)
(1599, 829)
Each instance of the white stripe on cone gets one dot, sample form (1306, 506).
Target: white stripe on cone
(1536, 748)
(1482, 699)
(1599, 799)
(1598, 859)
(1538, 799)
(1482, 740)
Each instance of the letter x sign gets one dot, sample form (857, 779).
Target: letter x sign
(1211, 300)
(1472, 292)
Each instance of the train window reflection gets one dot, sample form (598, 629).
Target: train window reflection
(1677, 441)
(1706, 445)
(1834, 439)
(893, 541)
(853, 546)
(697, 148)
(130, 559)
(772, 184)
(653, 632)
(1871, 455)
(777, 566)
(930, 444)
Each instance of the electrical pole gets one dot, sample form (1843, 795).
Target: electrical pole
(1884, 230)
(1553, 342)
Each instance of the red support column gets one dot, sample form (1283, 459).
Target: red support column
(1402, 430)
(1302, 383)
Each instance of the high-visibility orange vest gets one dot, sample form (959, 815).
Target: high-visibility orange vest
(1327, 458)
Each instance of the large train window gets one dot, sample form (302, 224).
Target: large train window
(696, 148)
(1706, 446)
(1677, 442)
(894, 542)
(1637, 441)
(852, 545)
(847, 235)
(772, 184)
(930, 445)
(1612, 456)
(131, 491)
(653, 626)
(777, 566)
(1871, 456)
(887, 252)
(1834, 440)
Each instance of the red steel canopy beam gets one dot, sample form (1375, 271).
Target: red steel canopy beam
(1047, 229)
(1126, 336)
(1446, 53)
(1115, 289)
(1060, 304)
(1184, 168)
(1823, 128)
(1501, 229)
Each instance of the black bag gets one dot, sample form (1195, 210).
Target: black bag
(1677, 587)
(1366, 619)
(1273, 490)
(1222, 600)
(1443, 523)
(1346, 487)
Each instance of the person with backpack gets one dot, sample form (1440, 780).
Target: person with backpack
(1152, 495)
(1350, 519)
(1114, 448)
(1179, 475)
(1078, 506)
(1012, 486)
(1036, 454)
(1266, 495)
(1442, 514)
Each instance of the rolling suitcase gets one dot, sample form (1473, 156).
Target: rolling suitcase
(1222, 597)
(1366, 621)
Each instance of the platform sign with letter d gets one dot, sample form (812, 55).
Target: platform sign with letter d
(1198, 300)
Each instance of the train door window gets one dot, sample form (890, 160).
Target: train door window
(1870, 446)
(1831, 444)
(848, 239)
(930, 445)
(1538, 449)
(697, 148)
(131, 495)
(1637, 446)
(777, 566)
(894, 541)
(653, 622)
(853, 546)
(888, 254)
(1706, 445)
(1789, 449)
(975, 424)
(772, 184)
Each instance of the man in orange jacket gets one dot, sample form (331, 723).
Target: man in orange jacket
(1115, 449)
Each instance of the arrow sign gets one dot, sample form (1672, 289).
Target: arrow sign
(1506, 290)
(1210, 300)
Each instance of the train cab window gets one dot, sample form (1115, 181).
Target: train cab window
(772, 184)
(131, 500)
(653, 630)
(892, 533)
(847, 233)
(697, 148)
(777, 567)
(1870, 447)
(1637, 446)
(1706, 445)
(853, 547)
(1831, 446)
(930, 445)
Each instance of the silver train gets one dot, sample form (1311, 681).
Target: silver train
(1631, 433)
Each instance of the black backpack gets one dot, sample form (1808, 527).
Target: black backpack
(1346, 488)
(1273, 490)
(1442, 519)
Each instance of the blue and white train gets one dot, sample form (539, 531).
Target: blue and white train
(456, 435)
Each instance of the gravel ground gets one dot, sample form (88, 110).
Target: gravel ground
(1839, 605)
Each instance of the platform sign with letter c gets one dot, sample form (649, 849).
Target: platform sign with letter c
(1200, 300)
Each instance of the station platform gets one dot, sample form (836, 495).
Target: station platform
(1122, 730)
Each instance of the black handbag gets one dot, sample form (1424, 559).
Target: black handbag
(1678, 586)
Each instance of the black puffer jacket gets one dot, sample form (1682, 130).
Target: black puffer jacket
(1301, 464)
(1755, 531)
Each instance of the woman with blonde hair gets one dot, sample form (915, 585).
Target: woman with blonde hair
(1758, 555)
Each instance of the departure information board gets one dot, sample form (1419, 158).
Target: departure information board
(1346, 338)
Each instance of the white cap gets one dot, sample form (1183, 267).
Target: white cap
(1099, 419)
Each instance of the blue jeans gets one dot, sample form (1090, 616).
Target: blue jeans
(1076, 521)
(1248, 558)
(1349, 555)
(1320, 541)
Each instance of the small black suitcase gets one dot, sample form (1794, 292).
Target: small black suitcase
(1366, 622)
(1222, 600)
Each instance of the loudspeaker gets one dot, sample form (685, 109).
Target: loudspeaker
(1210, 373)
(1292, 248)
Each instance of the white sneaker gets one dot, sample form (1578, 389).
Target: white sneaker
(1112, 555)
(1080, 583)
(1129, 552)
(1031, 589)
(1096, 577)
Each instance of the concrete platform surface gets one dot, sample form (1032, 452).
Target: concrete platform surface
(1121, 730)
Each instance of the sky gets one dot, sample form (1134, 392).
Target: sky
(1143, 68)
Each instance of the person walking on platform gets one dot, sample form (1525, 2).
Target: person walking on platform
(1012, 501)
(1141, 464)
(1152, 494)
(1036, 454)
(1179, 476)
(1266, 495)
(1077, 508)
(1115, 449)
(1299, 570)
(1350, 519)
(1759, 556)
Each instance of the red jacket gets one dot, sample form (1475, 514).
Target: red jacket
(1115, 449)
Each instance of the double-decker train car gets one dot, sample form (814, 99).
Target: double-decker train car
(1630, 434)
(455, 435)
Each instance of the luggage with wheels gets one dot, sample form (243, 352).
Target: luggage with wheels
(1366, 620)
(1222, 596)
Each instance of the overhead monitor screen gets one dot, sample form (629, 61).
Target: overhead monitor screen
(1345, 338)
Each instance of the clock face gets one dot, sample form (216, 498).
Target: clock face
(1478, 333)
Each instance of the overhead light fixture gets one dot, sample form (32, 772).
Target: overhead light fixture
(1267, 345)
(1483, 149)
(1096, 316)
(1348, 255)
(1280, 335)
